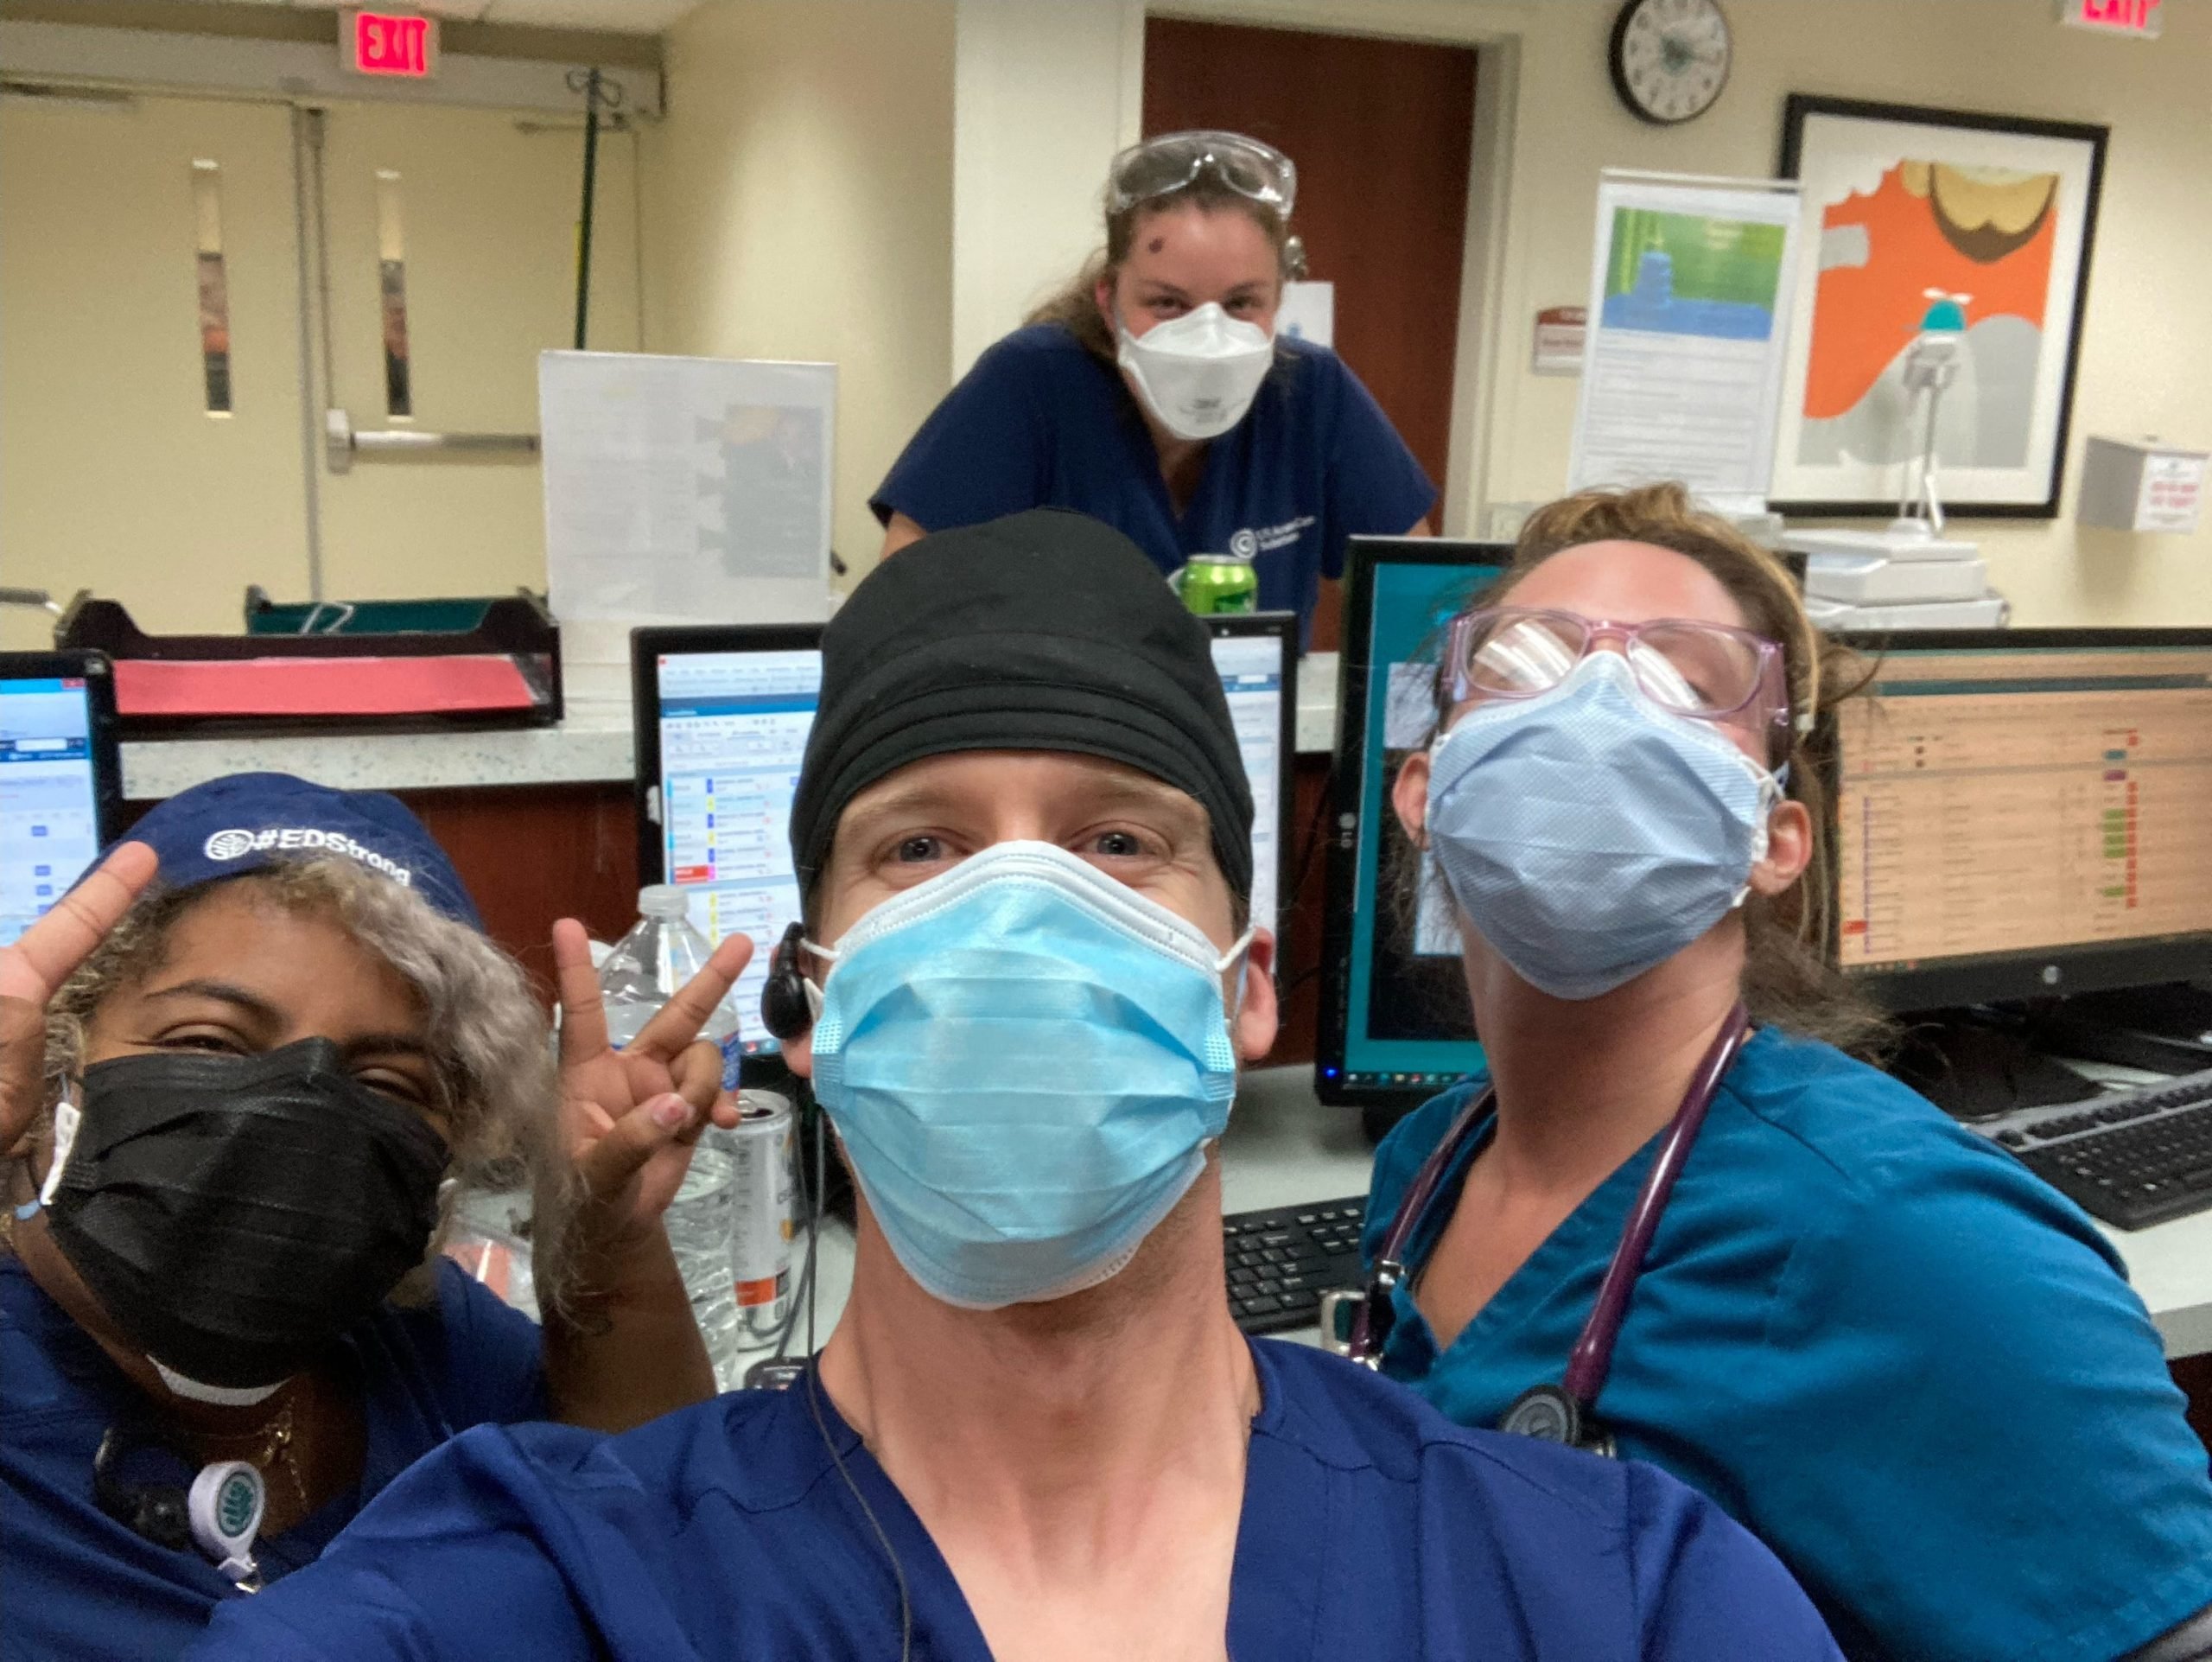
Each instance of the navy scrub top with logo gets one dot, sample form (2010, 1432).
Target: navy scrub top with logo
(1912, 1368)
(1041, 422)
(75, 1582)
(1372, 1528)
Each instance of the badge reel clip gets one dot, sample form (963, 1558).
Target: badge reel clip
(221, 1514)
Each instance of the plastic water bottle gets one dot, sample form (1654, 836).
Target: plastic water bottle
(646, 967)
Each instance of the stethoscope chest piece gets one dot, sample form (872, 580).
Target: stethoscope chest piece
(1547, 1413)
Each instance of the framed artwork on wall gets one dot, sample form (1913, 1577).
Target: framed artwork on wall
(1920, 218)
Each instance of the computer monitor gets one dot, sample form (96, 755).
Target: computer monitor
(61, 778)
(723, 716)
(2024, 812)
(1395, 1026)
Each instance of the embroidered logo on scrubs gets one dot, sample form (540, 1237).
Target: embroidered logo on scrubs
(1248, 544)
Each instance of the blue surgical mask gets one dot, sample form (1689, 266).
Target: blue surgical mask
(1590, 835)
(1025, 1060)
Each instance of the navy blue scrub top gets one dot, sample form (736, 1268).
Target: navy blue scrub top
(75, 1582)
(1042, 422)
(1372, 1528)
(1909, 1366)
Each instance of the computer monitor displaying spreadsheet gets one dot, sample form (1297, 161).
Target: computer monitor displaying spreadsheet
(723, 716)
(59, 780)
(1394, 1025)
(2024, 812)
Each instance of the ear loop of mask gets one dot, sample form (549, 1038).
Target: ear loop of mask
(67, 1118)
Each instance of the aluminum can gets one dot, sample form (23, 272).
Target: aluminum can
(1212, 584)
(763, 1148)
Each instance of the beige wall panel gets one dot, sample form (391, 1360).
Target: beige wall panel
(112, 476)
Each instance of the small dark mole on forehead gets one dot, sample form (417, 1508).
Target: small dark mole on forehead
(1155, 244)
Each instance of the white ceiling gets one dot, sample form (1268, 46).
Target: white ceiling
(624, 17)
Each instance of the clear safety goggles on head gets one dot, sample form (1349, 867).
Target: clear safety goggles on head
(1162, 166)
(1708, 671)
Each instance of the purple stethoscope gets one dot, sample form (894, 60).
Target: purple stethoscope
(1565, 1412)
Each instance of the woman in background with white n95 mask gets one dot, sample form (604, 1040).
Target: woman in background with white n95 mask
(1155, 394)
(1914, 1370)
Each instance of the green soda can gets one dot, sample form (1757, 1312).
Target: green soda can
(1212, 584)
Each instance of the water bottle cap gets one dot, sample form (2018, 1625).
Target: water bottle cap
(664, 901)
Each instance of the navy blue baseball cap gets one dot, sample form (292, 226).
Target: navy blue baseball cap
(242, 822)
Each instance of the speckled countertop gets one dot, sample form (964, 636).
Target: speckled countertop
(592, 745)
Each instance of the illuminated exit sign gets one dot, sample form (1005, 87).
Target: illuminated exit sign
(2141, 18)
(389, 43)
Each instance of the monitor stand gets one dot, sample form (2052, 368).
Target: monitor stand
(2165, 1030)
(1975, 1064)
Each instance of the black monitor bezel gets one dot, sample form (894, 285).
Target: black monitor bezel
(2008, 978)
(104, 725)
(1283, 625)
(1362, 555)
(647, 645)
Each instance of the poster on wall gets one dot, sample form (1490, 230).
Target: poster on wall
(1690, 288)
(1922, 220)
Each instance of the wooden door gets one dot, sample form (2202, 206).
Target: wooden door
(1382, 132)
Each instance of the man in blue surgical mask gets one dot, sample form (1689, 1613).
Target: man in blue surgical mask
(1026, 987)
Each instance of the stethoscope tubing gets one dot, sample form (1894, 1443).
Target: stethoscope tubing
(1591, 1360)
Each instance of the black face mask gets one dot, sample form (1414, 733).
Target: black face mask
(234, 1214)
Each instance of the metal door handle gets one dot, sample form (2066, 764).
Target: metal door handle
(342, 443)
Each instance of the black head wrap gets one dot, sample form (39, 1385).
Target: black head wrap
(1042, 631)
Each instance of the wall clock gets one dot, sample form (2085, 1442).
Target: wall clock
(1670, 58)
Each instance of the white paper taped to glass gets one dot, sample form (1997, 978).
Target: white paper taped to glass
(678, 489)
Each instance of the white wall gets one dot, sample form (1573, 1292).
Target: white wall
(799, 206)
(1043, 95)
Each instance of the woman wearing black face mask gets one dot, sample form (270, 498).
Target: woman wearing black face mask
(233, 1093)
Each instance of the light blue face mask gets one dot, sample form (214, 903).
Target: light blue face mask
(1025, 1060)
(1590, 835)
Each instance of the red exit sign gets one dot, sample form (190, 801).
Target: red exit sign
(2143, 18)
(389, 43)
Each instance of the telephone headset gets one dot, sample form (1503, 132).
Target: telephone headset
(788, 1005)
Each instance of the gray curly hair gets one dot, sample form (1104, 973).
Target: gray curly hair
(489, 1042)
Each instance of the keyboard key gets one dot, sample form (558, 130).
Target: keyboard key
(1279, 1263)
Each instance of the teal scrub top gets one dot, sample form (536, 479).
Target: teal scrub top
(1911, 1367)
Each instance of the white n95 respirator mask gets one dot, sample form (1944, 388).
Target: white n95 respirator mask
(1199, 373)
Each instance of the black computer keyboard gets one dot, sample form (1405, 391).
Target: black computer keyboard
(1281, 1261)
(2133, 1157)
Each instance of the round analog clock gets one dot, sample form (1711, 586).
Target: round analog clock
(1670, 58)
